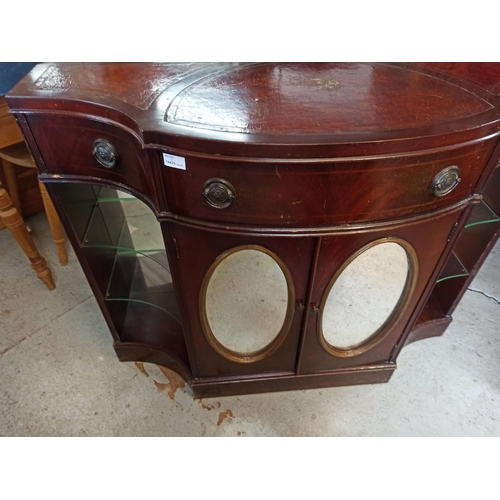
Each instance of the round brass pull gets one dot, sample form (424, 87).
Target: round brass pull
(446, 181)
(105, 153)
(219, 193)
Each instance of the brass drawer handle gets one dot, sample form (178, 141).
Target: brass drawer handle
(446, 181)
(105, 153)
(219, 193)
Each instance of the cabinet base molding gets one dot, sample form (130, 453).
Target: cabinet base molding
(434, 328)
(235, 386)
(217, 387)
(132, 351)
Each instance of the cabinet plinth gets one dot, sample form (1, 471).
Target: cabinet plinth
(271, 226)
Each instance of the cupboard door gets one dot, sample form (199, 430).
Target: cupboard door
(365, 289)
(244, 299)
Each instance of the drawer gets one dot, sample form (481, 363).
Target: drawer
(335, 192)
(66, 145)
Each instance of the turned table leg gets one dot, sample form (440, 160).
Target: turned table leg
(55, 225)
(16, 226)
(9, 171)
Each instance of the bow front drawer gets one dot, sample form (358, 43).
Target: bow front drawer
(332, 192)
(93, 149)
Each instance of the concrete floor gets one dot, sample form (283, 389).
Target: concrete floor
(59, 375)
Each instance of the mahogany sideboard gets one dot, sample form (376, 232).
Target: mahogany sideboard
(270, 226)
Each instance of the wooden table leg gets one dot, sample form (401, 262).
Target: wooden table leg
(9, 171)
(55, 225)
(16, 226)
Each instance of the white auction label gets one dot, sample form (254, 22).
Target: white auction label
(174, 161)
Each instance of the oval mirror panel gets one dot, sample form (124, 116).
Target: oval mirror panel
(246, 301)
(365, 295)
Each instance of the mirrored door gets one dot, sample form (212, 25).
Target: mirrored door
(366, 287)
(245, 297)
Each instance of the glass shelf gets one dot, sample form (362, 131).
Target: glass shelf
(126, 230)
(137, 235)
(481, 226)
(139, 278)
(481, 220)
(482, 214)
(452, 280)
(453, 269)
(123, 249)
(478, 231)
(130, 225)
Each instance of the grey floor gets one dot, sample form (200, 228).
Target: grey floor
(59, 375)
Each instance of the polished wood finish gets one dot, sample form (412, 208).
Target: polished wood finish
(192, 249)
(71, 154)
(379, 189)
(427, 238)
(14, 223)
(325, 159)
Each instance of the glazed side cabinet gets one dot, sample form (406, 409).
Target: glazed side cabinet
(265, 227)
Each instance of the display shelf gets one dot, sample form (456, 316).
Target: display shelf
(492, 189)
(479, 230)
(468, 252)
(432, 322)
(431, 312)
(139, 278)
(451, 281)
(141, 327)
(140, 272)
(136, 236)
(123, 245)
(453, 269)
(482, 214)
(481, 225)
(134, 227)
(141, 281)
(149, 310)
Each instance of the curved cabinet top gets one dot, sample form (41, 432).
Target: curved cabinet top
(276, 110)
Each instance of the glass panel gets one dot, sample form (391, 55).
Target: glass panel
(140, 271)
(139, 278)
(131, 226)
(481, 214)
(124, 253)
(453, 269)
(365, 295)
(246, 301)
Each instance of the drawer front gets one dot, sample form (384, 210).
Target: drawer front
(301, 194)
(67, 144)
